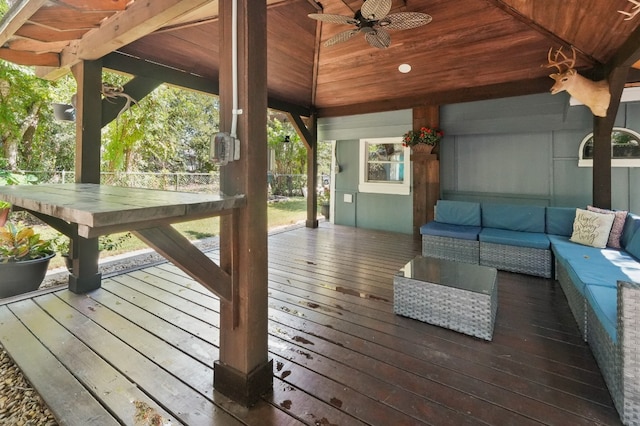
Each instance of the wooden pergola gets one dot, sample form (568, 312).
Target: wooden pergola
(485, 49)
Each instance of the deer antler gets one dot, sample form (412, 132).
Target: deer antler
(109, 91)
(556, 63)
(634, 10)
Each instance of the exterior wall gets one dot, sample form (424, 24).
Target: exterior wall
(372, 211)
(512, 150)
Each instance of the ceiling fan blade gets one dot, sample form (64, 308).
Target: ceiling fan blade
(339, 38)
(378, 38)
(374, 10)
(405, 20)
(335, 19)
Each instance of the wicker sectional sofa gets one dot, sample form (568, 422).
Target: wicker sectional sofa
(602, 285)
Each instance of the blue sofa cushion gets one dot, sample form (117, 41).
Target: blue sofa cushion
(559, 220)
(604, 301)
(513, 217)
(515, 238)
(631, 225)
(634, 246)
(462, 232)
(458, 212)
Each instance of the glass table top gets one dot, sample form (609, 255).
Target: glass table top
(465, 276)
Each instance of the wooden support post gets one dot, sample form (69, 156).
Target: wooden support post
(244, 371)
(426, 171)
(88, 74)
(602, 127)
(309, 136)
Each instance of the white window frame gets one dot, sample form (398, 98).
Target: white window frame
(397, 188)
(615, 162)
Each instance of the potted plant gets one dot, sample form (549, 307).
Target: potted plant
(324, 198)
(423, 140)
(5, 208)
(24, 259)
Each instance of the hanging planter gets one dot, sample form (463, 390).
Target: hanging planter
(422, 141)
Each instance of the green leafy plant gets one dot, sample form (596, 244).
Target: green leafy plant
(106, 243)
(19, 243)
(425, 135)
(5, 204)
(324, 195)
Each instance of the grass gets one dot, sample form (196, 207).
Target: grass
(278, 214)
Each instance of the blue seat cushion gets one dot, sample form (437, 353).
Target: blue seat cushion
(604, 301)
(462, 232)
(515, 238)
(514, 217)
(559, 220)
(458, 212)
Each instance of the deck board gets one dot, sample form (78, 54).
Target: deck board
(340, 355)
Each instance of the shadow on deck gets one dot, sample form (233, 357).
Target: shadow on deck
(145, 343)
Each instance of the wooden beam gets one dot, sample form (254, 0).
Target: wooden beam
(137, 88)
(301, 128)
(88, 74)
(17, 16)
(140, 19)
(121, 62)
(244, 371)
(553, 37)
(29, 58)
(602, 128)
(494, 91)
(178, 249)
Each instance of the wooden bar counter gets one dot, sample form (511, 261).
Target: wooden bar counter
(85, 211)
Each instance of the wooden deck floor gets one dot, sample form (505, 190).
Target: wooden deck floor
(147, 340)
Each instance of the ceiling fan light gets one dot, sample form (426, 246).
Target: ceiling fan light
(404, 68)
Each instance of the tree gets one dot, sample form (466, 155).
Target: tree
(25, 115)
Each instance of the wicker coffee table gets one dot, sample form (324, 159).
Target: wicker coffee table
(455, 295)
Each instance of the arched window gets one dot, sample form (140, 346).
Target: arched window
(625, 149)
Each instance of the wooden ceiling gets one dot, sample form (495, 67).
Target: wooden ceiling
(476, 49)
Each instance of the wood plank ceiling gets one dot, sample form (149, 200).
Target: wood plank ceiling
(476, 49)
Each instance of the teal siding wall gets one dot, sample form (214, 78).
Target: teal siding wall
(513, 150)
(373, 211)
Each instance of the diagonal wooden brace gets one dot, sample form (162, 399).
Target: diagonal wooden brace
(178, 249)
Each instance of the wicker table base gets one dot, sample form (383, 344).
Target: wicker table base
(455, 295)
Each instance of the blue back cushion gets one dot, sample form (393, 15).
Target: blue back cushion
(631, 225)
(515, 217)
(560, 220)
(458, 212)
(633, 248)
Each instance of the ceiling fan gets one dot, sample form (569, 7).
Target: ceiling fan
(373, 20)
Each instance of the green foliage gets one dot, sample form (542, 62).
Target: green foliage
(25, 114)
(13, 178)
(19, 243)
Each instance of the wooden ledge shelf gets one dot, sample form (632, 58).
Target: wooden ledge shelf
(84, 210)
(101, 209)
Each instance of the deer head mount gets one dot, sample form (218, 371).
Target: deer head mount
(634, 10)
(594, 94)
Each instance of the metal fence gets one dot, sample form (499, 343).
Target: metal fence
(187, 182)
(279, 184)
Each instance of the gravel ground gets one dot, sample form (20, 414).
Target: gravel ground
(20, 404)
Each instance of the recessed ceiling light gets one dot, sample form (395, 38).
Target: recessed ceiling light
(404, 68)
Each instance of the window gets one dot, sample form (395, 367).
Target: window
(384, 166)
(625, 149)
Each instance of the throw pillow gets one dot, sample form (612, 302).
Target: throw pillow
(591, 228)
(616, 228)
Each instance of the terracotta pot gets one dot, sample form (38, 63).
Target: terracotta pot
(4, 214)
(422, 148)
(22, 277)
